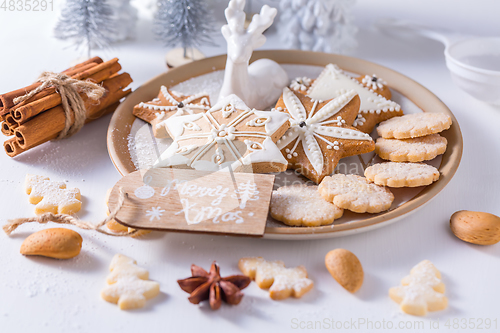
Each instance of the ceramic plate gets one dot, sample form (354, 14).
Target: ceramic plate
(412, 96)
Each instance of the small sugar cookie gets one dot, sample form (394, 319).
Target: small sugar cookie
(395, 174)
(51, 196)
(421, 291)
(282, 282)
(414, 125)
(355, 193)
(302, 205)
(128, 284)
(411, 150)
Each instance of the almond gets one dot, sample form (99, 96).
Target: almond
(59, 243)
(345, 268)
(476, 227)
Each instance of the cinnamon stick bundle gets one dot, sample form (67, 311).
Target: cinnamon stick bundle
(47, 125)
(7, 99)
(42, 117)
(49, 98)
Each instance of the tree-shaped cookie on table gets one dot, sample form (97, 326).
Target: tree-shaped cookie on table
(88, 23)
(187, 23)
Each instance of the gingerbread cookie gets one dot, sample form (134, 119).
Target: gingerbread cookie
(51, 196)
(282, 282)
(411, 150)
(355, 193)
(128, 284)
(421, 291)
(301, 205)
(170, 104)
(414, 125)
(230, 134)
(395, 174)
(374, 107)
(301, 84)
(375, 84)
(320, 135)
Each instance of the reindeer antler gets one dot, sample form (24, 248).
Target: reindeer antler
(235, 17)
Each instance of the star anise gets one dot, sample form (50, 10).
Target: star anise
(203, 285)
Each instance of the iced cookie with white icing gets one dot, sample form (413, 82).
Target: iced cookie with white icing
(302, 205)
(51, 196)
(320, 133)
(230, 134)
(419, 149)
(170, 104)
(355, 193)
(414, 125)
(373, 92)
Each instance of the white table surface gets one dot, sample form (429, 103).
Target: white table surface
(45, 295)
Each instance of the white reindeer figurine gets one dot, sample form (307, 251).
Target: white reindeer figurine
(260, 84)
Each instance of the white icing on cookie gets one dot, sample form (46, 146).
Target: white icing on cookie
(333, 82)
(309, 128)
(225, 139)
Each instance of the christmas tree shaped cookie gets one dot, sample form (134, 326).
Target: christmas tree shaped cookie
(229, 134)
(169, 104)
(128, 284)
(320, 135)
(373, 93)
(421, 291)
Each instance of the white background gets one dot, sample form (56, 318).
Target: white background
(44, 295)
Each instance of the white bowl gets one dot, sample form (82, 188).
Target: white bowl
(474, 65)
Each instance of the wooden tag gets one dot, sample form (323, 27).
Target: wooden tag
(188, 200)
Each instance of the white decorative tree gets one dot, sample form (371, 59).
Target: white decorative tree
(317, 25)
(187, 23)
(125, 18)
(88, 23)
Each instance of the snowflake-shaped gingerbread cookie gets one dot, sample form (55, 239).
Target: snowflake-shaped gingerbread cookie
(376, 105)
(319, 135)
(282, 282)
(421, 291)
(51, 196)
(170, 104)
(355, 193)
(230, 134)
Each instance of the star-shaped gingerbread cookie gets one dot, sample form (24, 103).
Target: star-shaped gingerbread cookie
(373, 92)
(170, 104)
(230, 134)
(319, 134)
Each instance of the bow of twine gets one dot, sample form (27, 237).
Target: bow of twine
(72, 102)
(68, 219)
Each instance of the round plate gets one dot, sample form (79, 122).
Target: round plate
(121, 124)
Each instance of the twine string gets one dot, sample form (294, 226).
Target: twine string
(68, 219)
(72, 103)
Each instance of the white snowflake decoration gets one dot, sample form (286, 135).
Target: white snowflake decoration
(155, 213)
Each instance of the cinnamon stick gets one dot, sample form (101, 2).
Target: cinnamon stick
(6, 129)
(47, 125)
(7, 99)
(12, 147)
(49, 98)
